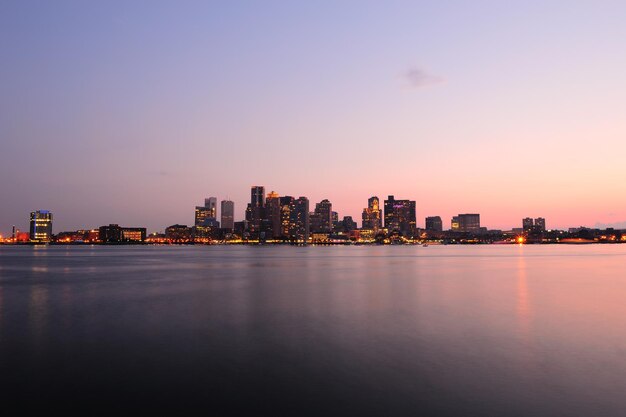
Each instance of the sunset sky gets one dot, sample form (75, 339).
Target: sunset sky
(134, 112)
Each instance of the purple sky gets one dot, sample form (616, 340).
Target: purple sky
(134, 113)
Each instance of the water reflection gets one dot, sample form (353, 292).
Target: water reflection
(38, 313)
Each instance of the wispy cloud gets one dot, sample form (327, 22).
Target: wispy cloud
(615, 225)
(418, 77)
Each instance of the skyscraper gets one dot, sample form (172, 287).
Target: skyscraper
(371, 217)
(211, 204)
(300, 220)
(527, 224)
(400, 216)
(205, 217)
(40, 226)
(255, 212)
(324, 217)
(287, 206)
(228, 214)
(272, 211)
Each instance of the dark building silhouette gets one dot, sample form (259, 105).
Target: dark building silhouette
(322, 218)
(227, 214)
(300, 220)
(114, 233)
(400, 216)
(179, 233)
(255, 212)
(434, 224)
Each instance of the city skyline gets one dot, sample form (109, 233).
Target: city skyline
(209, 211)
(104, 112)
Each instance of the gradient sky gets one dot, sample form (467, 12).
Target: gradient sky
(134, 112)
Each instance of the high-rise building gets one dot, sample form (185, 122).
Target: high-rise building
(434, 224)
(400, 216)
(257, 196)
(255, 212)
(287, 206)
(469, 223)
(211, 204)
(372, 218)
(322, 218)
(300, 220)
(41, 226)
(272, 211)
(540, 224)
(228, 214)
(527, 224)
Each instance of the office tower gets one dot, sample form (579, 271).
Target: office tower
(257, 196)
(287, 206)
(228, 214)
(469, 223)
(255, 212)
(335, 218)
(400, 216)
(540, 224)
(300, 220)
(434, 224)
(321, 219)
(272, 211)
(211, 204)
(371, 217)
(527, 224)
(40, 226)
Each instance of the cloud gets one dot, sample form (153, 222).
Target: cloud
(615, 225)
(418, 78)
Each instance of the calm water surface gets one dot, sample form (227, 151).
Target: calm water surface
(442, 331)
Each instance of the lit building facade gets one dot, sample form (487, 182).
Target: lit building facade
(323, 217)
(467, 223)
(114, 233)
(371, 217)
(41, 226)
(400, 216)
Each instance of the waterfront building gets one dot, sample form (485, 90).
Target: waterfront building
(114, 233)
(41, 226)
(371, 217)
(227, 214)
(434, 224)
(400, 216)
(178, 233)
(467, 223)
